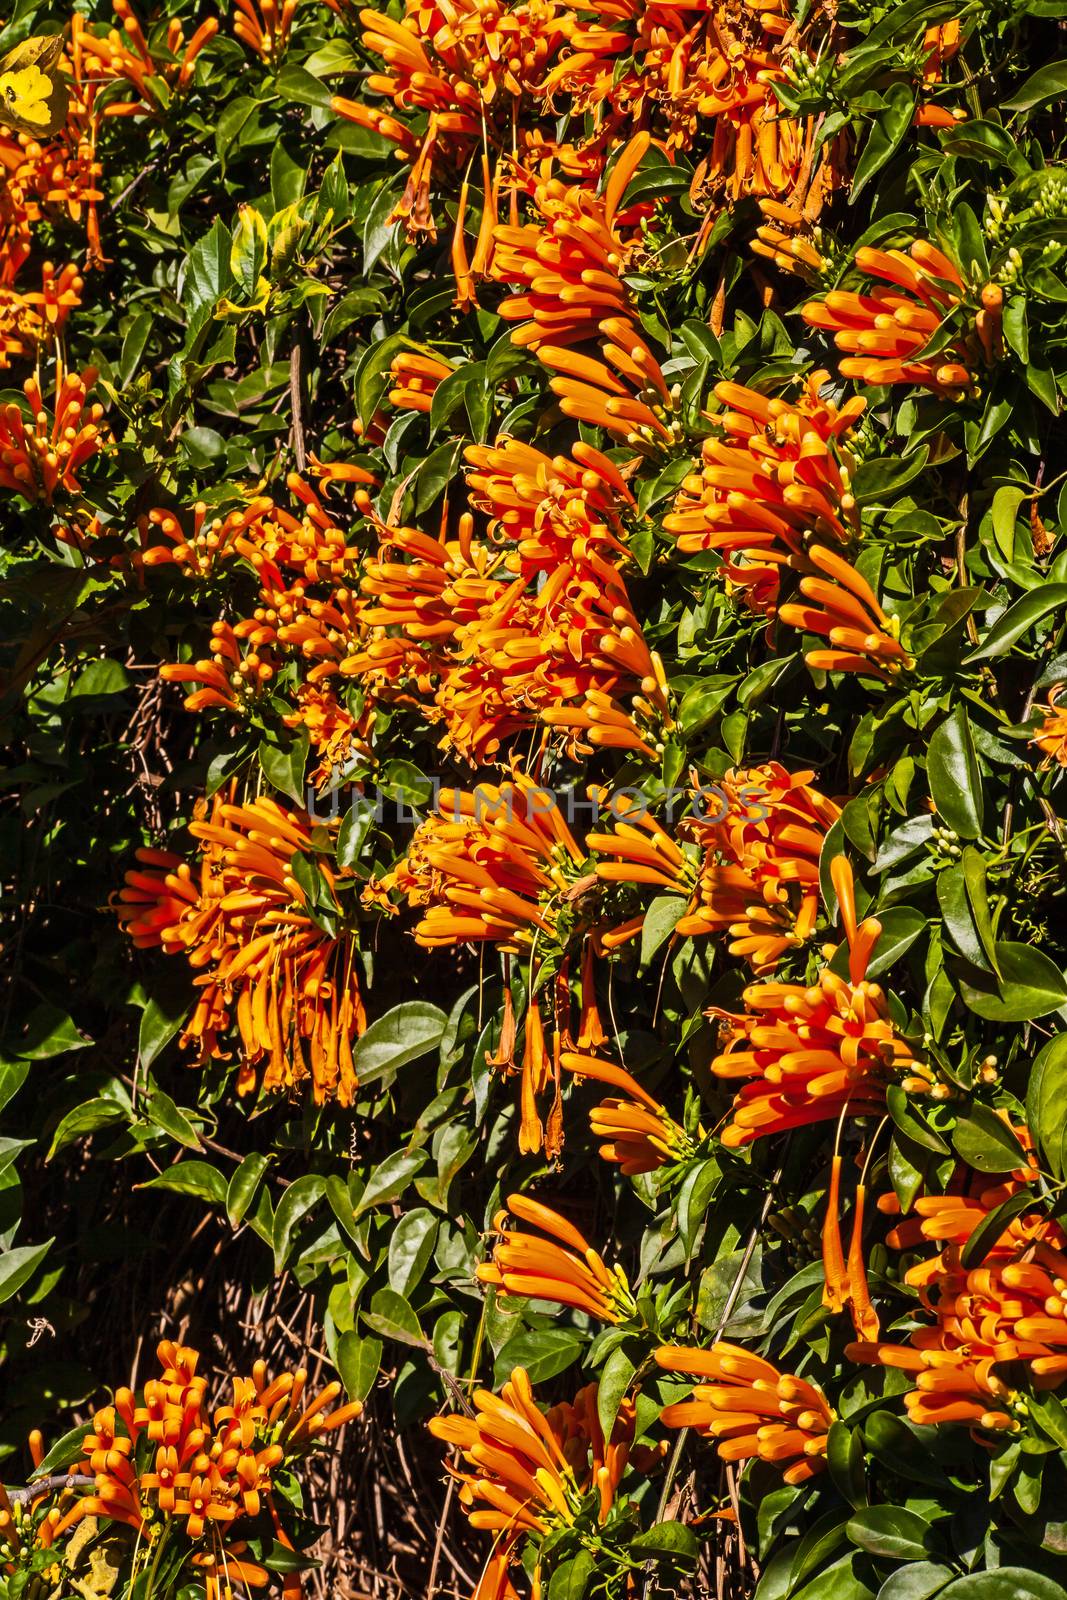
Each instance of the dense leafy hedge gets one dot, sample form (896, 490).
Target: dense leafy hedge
(532, 615)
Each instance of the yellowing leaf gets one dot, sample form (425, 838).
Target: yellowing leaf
(33, 92)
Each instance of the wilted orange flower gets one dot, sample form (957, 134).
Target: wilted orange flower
(885, 330)
(258, 940)
(846, 610)
(1051, 735)
(530, 1471)
(1010, 1309)
(563, 1268)
(37, 460)
(750, 1408)
(814, 1054)
(777, 482)
(640, 1134)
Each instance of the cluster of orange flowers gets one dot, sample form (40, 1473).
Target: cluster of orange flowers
(814, 1053)
(530, 1471)
(483, 76)
(760, 832)
(167, 1453)
(750, 1408)
(1011, 1308)
(774, 479)
(884, 332)
(271, 946)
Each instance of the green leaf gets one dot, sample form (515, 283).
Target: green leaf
(986, 1142)
(659, 923)
(17, 1266)
(13, 1075)
(1046, 1097)
(1047, 83)
(47, 1031)
(891, 1531)
(974, 877)
(901, 926)
(198, 1178)
(296, 83)
(390, 1179)
(300, 1198)
(910, 1123)
(1005, 1583)
(410, 1248)
(885, 136)
(403, 1034)
(163, 1015)
(207, 275)
(844, 1458)
(90, 1116)
(241, 1189)
(283, 761)
(989, 1230)
(162, 1111)
(571, 1578)
(616, 1377)
(543, 1352)
(358, 1362)
(1031, 985)
(919, 1580)
(1019, 619)
(392, 1317)
(1006, 503)
(954, 774)
(671, 1540)
(352, 835)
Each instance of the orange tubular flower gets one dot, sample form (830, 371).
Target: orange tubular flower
(1011, 1308)
(31, 320)
(415, 378)
(563, 1268)
(846, 610)
(539, 506)
(264, 26)
(495, 864)
(208, 1471)
(886, 330)
(124, 57)
(813, 1054)
(779, 241)
(262, 957)
(750, 1408)
(569, 263)
(760, 874)
(761, 831)
(36, 461)
(641, 1136)
(1051, 735)
(530, 1471)
(776, 482)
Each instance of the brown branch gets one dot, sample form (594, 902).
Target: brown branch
(43, 1486)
